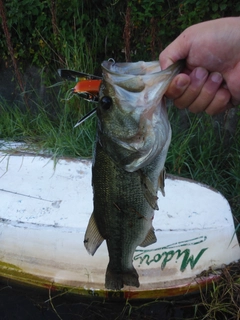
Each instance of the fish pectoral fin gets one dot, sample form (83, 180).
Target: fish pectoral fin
(92, 238)
(149, 192)
(161, 181)
(150, 238)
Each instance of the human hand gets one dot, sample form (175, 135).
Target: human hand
(210, 81)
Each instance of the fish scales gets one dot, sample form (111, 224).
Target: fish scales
(127, 216)
(133, 137)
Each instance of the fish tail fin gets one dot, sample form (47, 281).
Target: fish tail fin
(115, 280)
(92, 238)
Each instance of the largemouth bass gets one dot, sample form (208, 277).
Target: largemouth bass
(133, 137)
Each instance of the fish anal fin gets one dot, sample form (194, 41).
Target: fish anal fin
(92, 238)
(150, 238)
(161, 181)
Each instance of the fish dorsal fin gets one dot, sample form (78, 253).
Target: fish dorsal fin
(161, 181)
(92, 238)
(150, 238)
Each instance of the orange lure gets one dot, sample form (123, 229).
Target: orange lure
(88, 89)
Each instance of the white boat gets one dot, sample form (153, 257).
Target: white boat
(45, 208)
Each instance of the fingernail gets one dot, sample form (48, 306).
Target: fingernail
(182, 82)
(216, 77)
(200, 73)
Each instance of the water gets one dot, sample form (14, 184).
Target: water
(33, 304)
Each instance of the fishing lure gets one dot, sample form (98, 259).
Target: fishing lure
(87, 87)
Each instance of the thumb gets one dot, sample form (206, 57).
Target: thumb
(177, 50)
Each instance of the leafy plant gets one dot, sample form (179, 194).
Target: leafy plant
(41, 30)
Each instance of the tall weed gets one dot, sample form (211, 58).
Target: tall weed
(200, 150)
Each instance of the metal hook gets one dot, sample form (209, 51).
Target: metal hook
(84, 118)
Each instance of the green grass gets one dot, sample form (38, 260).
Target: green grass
(203, 151)
(53, 134)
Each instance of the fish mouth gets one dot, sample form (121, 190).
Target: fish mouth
(139, 128)
(129, 75)
(131, 68)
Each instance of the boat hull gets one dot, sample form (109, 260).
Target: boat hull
(45, 208)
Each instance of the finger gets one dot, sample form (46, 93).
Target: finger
(198, 77)
(178, 85)
(220, 103)
(207, 93)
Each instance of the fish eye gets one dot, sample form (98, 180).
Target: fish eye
(106, 102)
